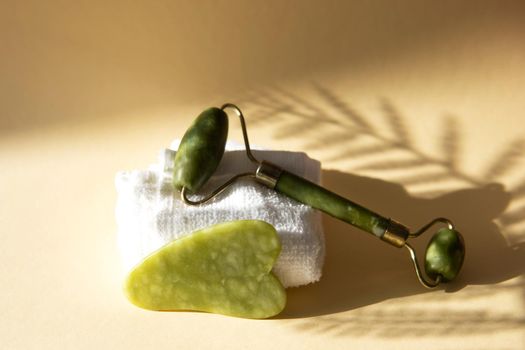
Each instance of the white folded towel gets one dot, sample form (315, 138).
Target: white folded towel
(150, 214)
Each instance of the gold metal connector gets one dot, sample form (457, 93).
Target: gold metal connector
(268, 174)
(396, 234)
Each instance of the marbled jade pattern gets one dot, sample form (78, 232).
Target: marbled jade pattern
(224, 269)
(201, 150)
(445, 254)
(320, 198)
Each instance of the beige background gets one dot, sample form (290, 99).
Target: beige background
(416, 109)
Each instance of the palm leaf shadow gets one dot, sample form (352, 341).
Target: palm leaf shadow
(396, 123)
(451, 143)
(386, 324)
(505, 161)
(295, 116)
(338, 134)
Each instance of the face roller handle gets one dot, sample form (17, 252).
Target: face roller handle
(444, 254)
(332, 204)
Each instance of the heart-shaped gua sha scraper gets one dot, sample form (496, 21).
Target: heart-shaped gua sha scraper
(224, 269)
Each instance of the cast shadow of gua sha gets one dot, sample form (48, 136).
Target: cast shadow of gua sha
(361, 270)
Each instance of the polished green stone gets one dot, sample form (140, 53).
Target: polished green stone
(445, 254)
(201, 150)
(224, 269)
(320, 198)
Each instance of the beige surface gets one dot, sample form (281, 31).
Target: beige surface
(415, 109)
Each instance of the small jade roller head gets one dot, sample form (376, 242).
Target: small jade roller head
(444, 255)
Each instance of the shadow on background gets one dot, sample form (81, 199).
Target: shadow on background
(361, 270)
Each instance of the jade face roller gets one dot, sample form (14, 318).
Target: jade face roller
(200, 153)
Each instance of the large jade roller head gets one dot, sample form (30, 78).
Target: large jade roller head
(201, 150)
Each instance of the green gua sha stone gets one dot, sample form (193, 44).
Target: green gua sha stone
(224, 269)
(445, 254)
(200, 150)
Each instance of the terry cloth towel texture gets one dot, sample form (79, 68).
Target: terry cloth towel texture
(150, 213)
